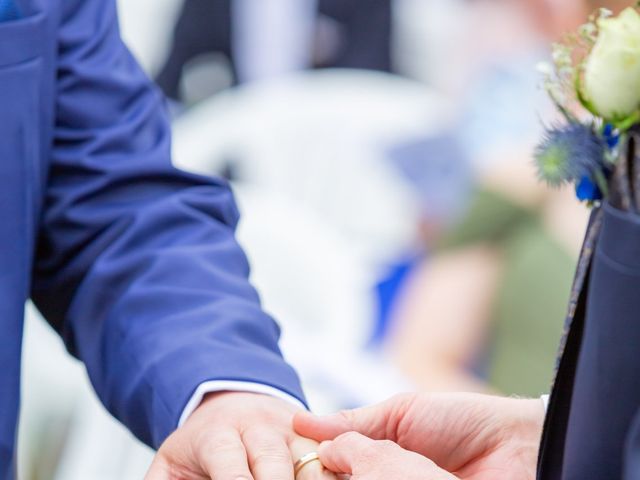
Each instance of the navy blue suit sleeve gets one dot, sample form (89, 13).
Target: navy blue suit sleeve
(137, 265)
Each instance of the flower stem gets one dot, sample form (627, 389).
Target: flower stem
(602, 182)
(628, 122)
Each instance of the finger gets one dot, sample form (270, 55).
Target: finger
(377, 421)
(158, 470)
(223, 456)
(347, 452)
(361, 457)
(300, 447)
(269, 455)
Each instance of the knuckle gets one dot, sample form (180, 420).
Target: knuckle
(386, 445)
(217, 442)
(262, 434)
(269, 454)
(347, 416)
(374, 453)
(402, 398)
(373, 450)
(403, 402)
(348, 437)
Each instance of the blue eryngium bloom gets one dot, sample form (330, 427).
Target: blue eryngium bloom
(569, 153)
(611, 136)
(587, 190)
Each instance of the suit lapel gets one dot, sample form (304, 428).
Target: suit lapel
(580, 279)
(551, 455)
(624, 195)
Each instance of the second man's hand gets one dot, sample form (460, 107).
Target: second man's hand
(362, 458)
(476, 437)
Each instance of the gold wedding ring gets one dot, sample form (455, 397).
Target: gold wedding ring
(304, 461)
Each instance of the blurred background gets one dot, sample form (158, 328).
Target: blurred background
(380, 152)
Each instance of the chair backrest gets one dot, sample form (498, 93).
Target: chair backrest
(321, 139)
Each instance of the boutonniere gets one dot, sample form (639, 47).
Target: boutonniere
(594, 80)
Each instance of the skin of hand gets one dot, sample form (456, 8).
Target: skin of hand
(364, 459)
(236, 436)
(475, 437)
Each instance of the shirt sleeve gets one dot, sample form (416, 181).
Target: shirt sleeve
(215, 386)
(545, 402)
(137, 265)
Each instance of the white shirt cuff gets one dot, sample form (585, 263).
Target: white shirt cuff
(233, 386)
(545, 402)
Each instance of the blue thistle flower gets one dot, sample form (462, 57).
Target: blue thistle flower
(587, 190)
(611, 136)
(569, 153)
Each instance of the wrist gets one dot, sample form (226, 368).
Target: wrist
(231, 400)
(227, 397)
(222, 407)
(231, 386)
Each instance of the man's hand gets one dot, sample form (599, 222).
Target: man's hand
(361, 458)
(236, 436)
(476, 437)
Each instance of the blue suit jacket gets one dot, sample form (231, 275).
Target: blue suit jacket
(592, 430)
(131, 260)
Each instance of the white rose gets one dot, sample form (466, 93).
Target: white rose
(612, 74)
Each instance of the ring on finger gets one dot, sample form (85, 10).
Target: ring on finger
(304, 461)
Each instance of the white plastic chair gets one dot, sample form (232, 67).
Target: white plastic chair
(320, 139)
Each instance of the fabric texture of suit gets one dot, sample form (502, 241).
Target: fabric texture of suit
(132, 261)
(8, 11)
(592, 430)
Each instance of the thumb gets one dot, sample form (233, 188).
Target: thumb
(378, 421)
(159, 470)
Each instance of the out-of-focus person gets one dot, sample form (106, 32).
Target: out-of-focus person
(258, 40)
(464, 320)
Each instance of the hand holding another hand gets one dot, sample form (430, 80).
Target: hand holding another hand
(424, 437)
